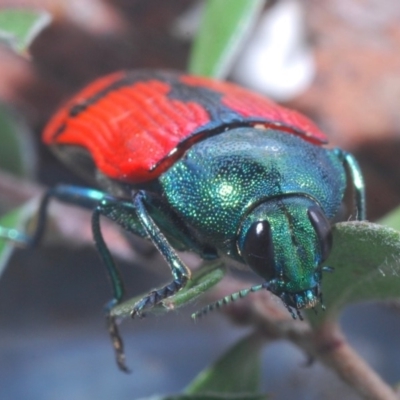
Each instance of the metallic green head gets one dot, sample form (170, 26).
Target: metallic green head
(285, 240)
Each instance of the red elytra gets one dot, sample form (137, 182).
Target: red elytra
(136, 124)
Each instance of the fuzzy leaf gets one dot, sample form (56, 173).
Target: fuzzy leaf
(224, 28)
(366, 259)
(202, 280)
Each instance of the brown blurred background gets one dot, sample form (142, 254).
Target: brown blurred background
(354, 96)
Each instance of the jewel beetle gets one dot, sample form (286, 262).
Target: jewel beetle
(205, 166)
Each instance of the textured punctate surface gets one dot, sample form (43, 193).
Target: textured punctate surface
(220, 180)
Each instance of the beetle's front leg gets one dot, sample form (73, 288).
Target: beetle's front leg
(180, 271)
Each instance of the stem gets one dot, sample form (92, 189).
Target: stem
(326, 344)
(335, 352)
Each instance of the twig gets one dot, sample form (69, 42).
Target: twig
(334, 351)
(326, 344)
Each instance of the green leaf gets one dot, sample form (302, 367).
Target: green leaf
(224, 28)
(6, 247)
(202, 280)
(17, 153)
(236, 372)
(366, 259)
(19, 27)
(11, 226)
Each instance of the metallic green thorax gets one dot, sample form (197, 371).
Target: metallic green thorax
(228, 181)
(220, 180)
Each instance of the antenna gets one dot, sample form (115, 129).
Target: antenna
(229, 299)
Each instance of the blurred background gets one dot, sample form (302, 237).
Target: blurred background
(337, 61)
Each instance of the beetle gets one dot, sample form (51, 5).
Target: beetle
(205, 166)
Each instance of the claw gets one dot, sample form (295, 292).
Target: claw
(155, 297)
(117, 343)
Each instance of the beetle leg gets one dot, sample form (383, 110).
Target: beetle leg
(179, 270)
(87, 198)
(102, 204)
(84, 197)
(352, 167)
(119, 211)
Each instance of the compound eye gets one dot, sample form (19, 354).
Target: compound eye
(258, 250)
(322, 228)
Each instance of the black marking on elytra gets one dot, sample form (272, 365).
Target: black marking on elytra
(222, 118)
(213, 128)
(59, 131)
(130, 78)
(78, 108)
(209, 99)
